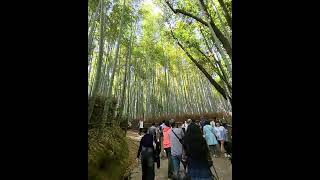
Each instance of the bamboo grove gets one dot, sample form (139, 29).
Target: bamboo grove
(150, 58)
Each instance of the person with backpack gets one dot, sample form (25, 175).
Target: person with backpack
(176, 135)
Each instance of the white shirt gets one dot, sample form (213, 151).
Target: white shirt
(141, 124)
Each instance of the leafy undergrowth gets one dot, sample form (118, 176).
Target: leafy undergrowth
(133, 149)
(107, 154)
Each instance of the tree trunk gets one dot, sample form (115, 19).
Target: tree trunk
(214, 28)
(226, 12)
(109, 97)
(214, 34)
(227, 34)
(92, 30)
(212, 81)
(124, 82)
(98, 74)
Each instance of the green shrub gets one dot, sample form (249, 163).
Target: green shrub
(107, 154)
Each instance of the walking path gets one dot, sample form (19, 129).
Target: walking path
(222, 165)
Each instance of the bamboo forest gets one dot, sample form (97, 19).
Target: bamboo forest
(153, 61)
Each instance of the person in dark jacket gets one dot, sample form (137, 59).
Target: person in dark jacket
(147, 152)
(157, 154)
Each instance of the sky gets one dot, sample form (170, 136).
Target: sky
(156, 9)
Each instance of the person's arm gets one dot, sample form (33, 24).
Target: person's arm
(140, 147)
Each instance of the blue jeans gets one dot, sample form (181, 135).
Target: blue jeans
(176, 164)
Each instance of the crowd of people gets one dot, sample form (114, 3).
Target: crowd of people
(192, 144)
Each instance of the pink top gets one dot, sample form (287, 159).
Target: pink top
(166, 140)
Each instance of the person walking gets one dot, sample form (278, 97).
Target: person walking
(221, 135)
(202, 122)
(157, 152)
(140, 126)
(192, 122)
(198, 155)
(146, 151)
(227, 143)
(153, 131)
(167, 146)
(176, 135)
(183, 126)
(161, 125)
(187, 124)
(209, 135)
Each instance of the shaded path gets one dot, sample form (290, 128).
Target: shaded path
(222, 165)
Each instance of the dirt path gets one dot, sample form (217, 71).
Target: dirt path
(222, 165)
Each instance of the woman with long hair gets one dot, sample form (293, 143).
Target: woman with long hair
(197, 152)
